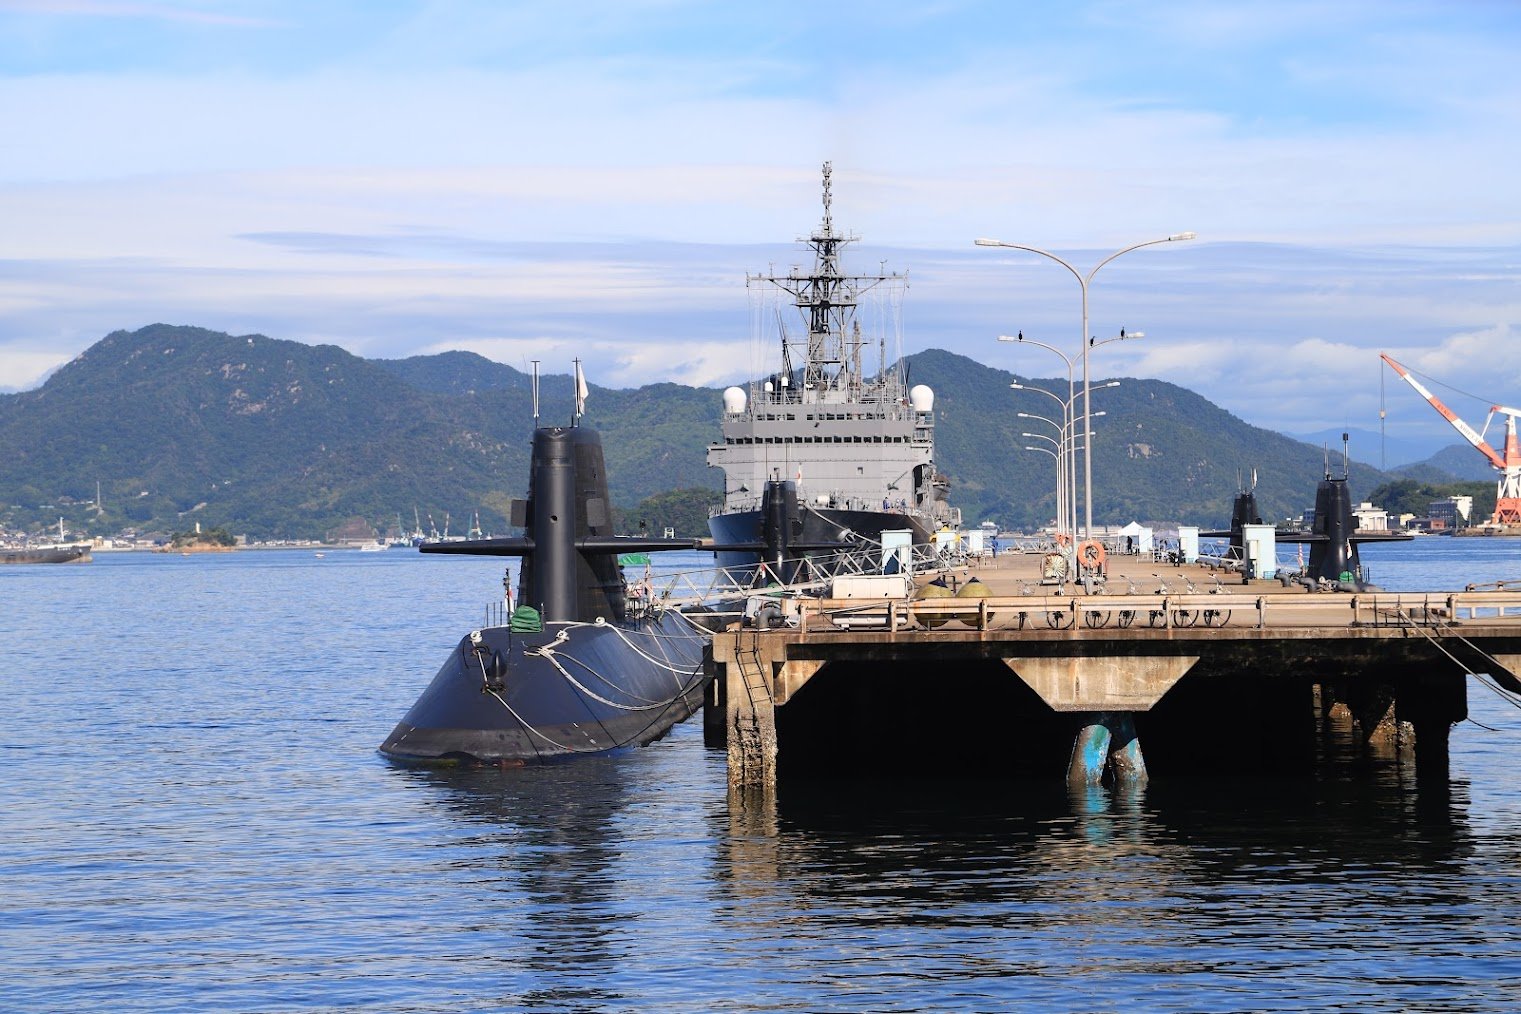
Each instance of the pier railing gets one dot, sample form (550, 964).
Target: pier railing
(725, 591)
(1163, 611)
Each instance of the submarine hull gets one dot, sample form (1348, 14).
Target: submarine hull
(507, 697)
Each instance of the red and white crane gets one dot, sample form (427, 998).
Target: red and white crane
(1508, 493)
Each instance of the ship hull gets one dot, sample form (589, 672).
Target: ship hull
(569, 690)
(47, 554)
(819, 525)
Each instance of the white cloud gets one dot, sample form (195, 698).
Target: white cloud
(22, 370)
(519, 179)
(622, 364)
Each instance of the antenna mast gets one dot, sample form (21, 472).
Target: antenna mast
(535, 394)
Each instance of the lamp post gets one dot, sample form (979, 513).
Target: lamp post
(1072, 466)
(1060, 518)
(1067, 488)
(1059, 441)
(1065, 496)
(1083, 282)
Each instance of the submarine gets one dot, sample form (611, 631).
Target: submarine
(1333, 538)
(585, 664)
(578, 668)
(1243, 512)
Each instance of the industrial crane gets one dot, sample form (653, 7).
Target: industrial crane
(1508, 493)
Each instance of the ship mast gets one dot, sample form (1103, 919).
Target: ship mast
(828, 300)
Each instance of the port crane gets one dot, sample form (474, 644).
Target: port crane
(1508, 492)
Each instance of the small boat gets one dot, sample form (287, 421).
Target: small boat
(56, 552)
(75, 553)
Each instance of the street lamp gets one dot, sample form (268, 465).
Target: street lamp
(1083, 282)
(1061, 513)
(1072, 466)
(1066, 490)
(1062, 519)
(1066, 493)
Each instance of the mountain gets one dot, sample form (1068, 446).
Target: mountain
(1458, 462)
(276, 438)
(1372, 447)
(1161, 452)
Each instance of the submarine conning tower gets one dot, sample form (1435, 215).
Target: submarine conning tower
(1333, 536)
(1336, 554)
(570, 569)
(567, 503)
(1243, 512)
(780, 526)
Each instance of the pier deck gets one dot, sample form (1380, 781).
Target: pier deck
(1203, 668)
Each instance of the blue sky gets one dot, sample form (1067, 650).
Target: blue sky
(550, 180)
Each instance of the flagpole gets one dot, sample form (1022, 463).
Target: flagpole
(581, 393)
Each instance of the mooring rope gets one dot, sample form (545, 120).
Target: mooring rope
(609, 683)
(528, 726)
(653, 706)
(663, 663)
(1484, 679)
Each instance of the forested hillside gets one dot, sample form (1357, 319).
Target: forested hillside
(275, 438)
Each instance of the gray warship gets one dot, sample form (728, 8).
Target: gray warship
(836, 456)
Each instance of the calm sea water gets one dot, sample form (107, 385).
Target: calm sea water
(194, 818)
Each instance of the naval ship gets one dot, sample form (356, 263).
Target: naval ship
(839, 456)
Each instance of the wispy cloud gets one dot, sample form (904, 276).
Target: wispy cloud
(507, 177)
(125, 9)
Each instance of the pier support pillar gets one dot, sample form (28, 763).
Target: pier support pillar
(749, 713)
(1430, 703)
(1373, 708)
(1106, 740)
(1125, 760)
(1090, 752)
(1431, 757)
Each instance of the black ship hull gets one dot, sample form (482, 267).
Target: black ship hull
(569, 690)
(46, 554)
(820, 526)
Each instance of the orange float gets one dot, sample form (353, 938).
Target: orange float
(1092, 553)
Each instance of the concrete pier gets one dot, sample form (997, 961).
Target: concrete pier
(1184, 671)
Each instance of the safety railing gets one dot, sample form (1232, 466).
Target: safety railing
(1162, 611)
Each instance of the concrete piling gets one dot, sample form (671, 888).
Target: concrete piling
(1016, 684)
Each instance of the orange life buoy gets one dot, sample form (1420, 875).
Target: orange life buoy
(1062, 538)
(1091, 553)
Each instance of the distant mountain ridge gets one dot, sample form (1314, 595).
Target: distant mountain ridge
(276, 438)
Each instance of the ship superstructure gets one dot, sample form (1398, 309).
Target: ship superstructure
(858, 449)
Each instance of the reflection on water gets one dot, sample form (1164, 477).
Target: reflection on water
(196, 819)
(1029, 892)
(541, 844)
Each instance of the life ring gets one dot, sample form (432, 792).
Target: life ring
(1062, 538)
(1091, 553)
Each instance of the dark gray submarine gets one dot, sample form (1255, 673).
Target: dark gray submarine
(1333, 538)
(583, 666)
